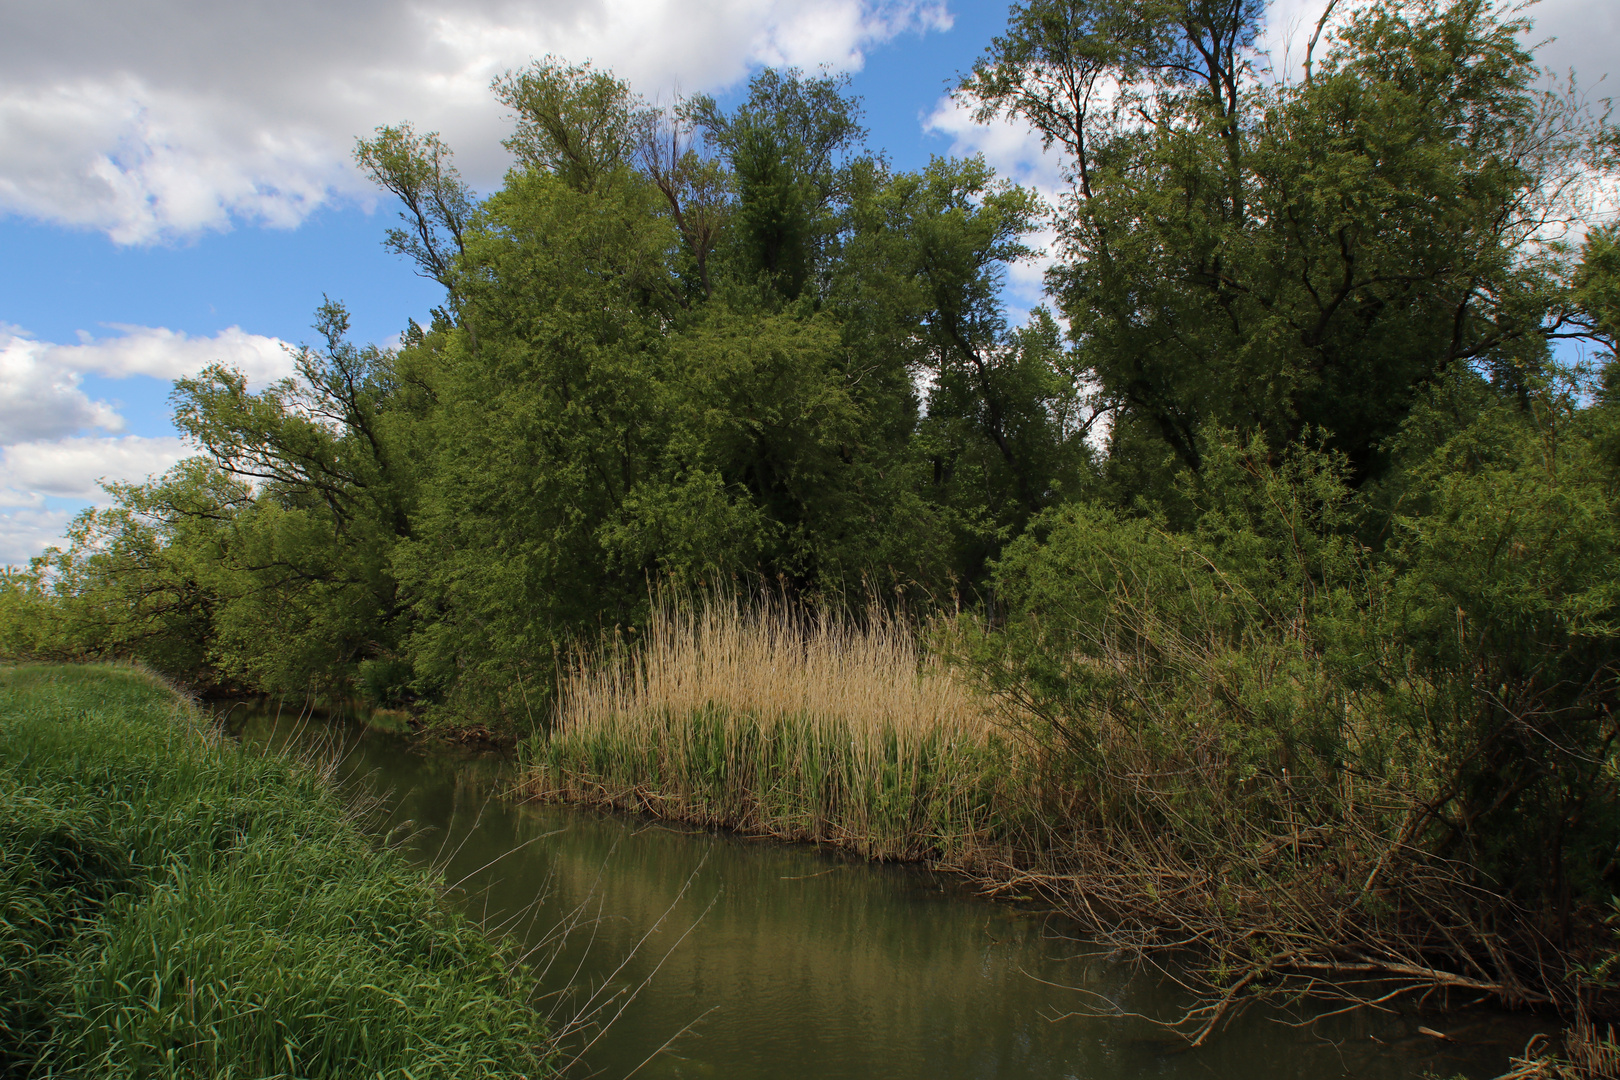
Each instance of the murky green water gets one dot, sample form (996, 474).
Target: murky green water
(762, 960)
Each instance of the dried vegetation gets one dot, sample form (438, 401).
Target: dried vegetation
(773, 720)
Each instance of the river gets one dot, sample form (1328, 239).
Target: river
(729, 957)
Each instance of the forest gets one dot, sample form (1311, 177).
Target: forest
(1283, 541)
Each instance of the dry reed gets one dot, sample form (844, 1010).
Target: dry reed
(771, 719)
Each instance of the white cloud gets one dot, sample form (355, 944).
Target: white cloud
(74, 468)
(172, 354)
(1012, 146)
(26, 533)
(31, 473)
(41, 396)
(140, 161)
(166, 118)
(40, 399)
(45, 415)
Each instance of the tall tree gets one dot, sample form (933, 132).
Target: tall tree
(789, 146)
(573, 121)
(1277, 258)
(419, 170)
(922, 273)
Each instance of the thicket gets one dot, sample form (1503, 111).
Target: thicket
(678, 344)
(173, 906)
(1389, 770)
(1285, 538)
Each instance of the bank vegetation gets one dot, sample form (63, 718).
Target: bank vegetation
(1256, 599)
(773, 719)
(173, 906)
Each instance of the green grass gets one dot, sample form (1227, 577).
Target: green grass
(171, 906)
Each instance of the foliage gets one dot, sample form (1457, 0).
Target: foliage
(787, 146)
(573, 122)
(1006, 416)
(1427, 729)
(1283, 538)
(634, 378)
(418, 171)
(1278, 257)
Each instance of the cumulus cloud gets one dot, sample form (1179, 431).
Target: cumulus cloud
(172, 354)
(36, 475)
(48, 449)
(74, 468)
(41, 391)
(40, 399)
(167, 118)
(26, 533)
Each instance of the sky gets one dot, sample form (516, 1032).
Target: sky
(177, 187)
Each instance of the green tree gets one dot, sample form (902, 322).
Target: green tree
(307, 562)
(577, 123)
(544, 422)
(789, 147)
(919, 286)
(1278, 258)
(419, 171)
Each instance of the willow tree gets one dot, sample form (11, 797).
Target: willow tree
(1281, 256)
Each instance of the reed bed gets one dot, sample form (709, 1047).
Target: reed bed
(174, 907)
(775, 720)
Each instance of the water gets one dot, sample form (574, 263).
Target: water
(741, 958)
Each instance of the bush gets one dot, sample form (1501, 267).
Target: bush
(1318, 756)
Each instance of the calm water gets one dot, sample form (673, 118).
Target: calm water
(762, 960)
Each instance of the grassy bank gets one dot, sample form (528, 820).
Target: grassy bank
(781, 723)
(173, 907)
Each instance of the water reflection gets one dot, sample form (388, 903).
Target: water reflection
(789, 961)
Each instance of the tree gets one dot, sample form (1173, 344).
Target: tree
(697, 188)
(1280, 258)
(306, 564)
(419, 171)
(765, 358)
(921, 278)
(580, 124)
(789, 148)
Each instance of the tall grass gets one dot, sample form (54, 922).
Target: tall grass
(171, 906)
(775, 720)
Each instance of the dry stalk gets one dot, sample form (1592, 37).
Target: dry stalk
(1175, 824)
(774, 720)
(1161, 820)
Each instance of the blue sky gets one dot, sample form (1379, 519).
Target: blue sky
(175, 186)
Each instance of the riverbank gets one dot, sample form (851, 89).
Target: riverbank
(805, 960)
(176, 907)
(1173, 832)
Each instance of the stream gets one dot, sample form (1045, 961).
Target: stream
(724, 956)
